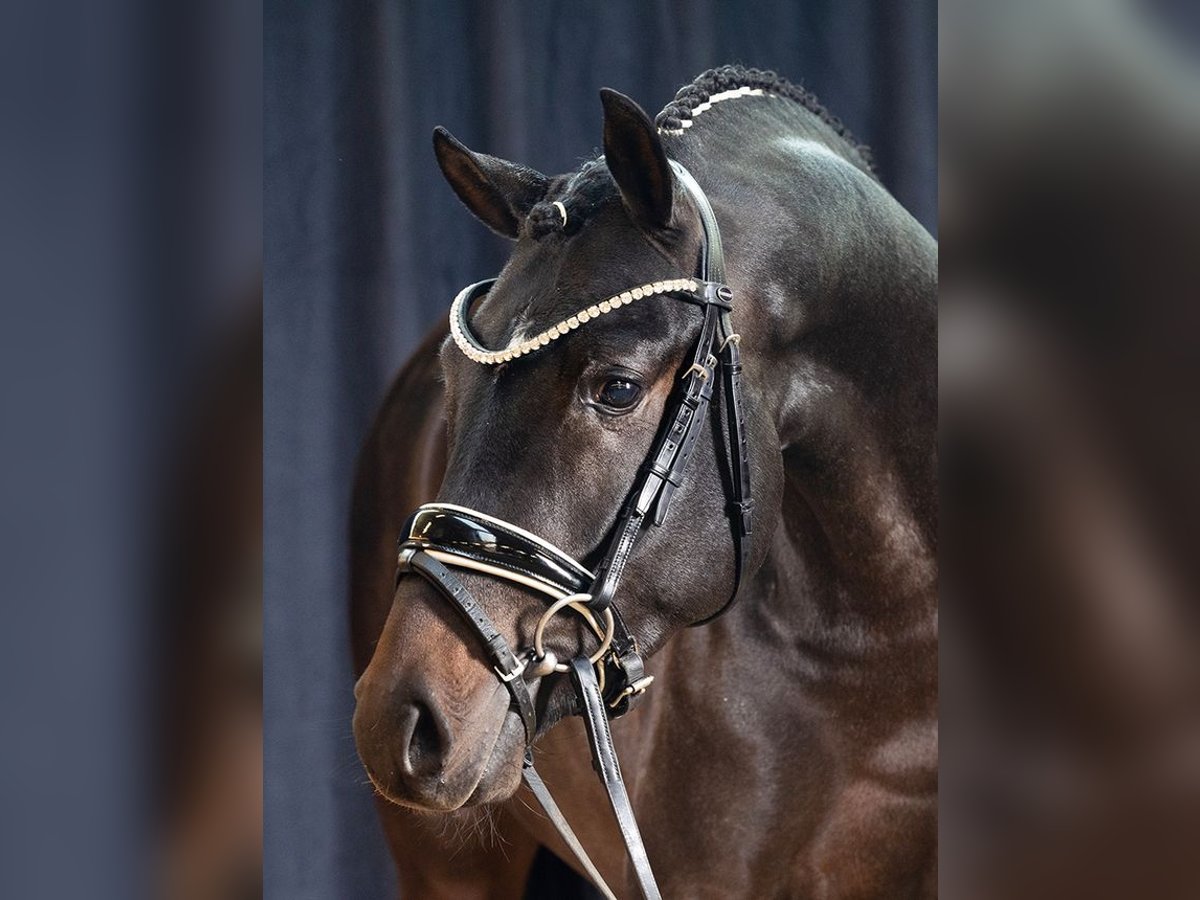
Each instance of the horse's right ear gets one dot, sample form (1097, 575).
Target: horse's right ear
(498, 192)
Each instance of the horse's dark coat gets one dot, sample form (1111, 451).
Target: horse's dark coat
(789, 748)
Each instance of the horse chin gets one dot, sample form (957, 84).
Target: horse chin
(500, 775)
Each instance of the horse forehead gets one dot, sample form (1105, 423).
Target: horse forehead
(548, 279)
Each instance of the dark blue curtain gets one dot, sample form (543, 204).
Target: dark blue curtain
(365, 246)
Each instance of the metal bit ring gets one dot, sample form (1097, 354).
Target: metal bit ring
(539, 633)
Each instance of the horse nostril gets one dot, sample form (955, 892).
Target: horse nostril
(427, 742)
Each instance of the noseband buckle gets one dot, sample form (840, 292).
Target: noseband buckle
(506, 677)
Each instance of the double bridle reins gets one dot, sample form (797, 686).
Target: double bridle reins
(440, 537)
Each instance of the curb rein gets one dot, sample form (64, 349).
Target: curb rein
(610, 682)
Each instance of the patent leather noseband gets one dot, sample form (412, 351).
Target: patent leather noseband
(471, 539)
(440, 537)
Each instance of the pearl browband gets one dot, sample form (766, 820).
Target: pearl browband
(470, 346)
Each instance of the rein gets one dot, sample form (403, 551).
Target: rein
(440, 537)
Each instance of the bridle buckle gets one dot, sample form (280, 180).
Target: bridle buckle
(636, 689)
(516, 673)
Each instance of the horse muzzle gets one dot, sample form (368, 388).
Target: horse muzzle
(434, 729)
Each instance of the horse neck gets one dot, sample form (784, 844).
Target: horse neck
(836, 286)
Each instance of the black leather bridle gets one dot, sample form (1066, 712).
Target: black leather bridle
(441, 536)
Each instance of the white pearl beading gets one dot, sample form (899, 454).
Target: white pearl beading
(480, 354)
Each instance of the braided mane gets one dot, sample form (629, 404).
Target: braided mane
(584, 191)
(691, 99)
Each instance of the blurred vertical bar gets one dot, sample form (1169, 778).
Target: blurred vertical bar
(1069, 364)
(130, 239)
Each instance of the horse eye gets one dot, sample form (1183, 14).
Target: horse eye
(619, 393)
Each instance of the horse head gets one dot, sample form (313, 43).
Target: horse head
(552, 441)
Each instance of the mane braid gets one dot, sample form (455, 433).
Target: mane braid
(707, 88)
(583, 192)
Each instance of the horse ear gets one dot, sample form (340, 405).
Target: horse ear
(637, 160)
(498, 192)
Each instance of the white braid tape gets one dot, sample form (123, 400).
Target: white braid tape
(712, 101)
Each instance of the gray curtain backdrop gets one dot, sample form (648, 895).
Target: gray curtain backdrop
(365, 246)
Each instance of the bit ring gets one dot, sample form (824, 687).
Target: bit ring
(539, 633)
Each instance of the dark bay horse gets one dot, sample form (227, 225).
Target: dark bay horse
(789, 748)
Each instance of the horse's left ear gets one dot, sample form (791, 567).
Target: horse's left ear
(637, 160)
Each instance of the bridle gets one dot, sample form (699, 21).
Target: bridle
(441, 536)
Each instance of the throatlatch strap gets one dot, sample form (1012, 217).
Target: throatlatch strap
(737, 453)
(604, 758)
(738, 450)
(542, 794)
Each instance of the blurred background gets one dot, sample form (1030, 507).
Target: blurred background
(130, 386)
(1070, 502)
(366, 246)
(135, 226)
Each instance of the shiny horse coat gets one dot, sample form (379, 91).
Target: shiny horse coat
(789, 748)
